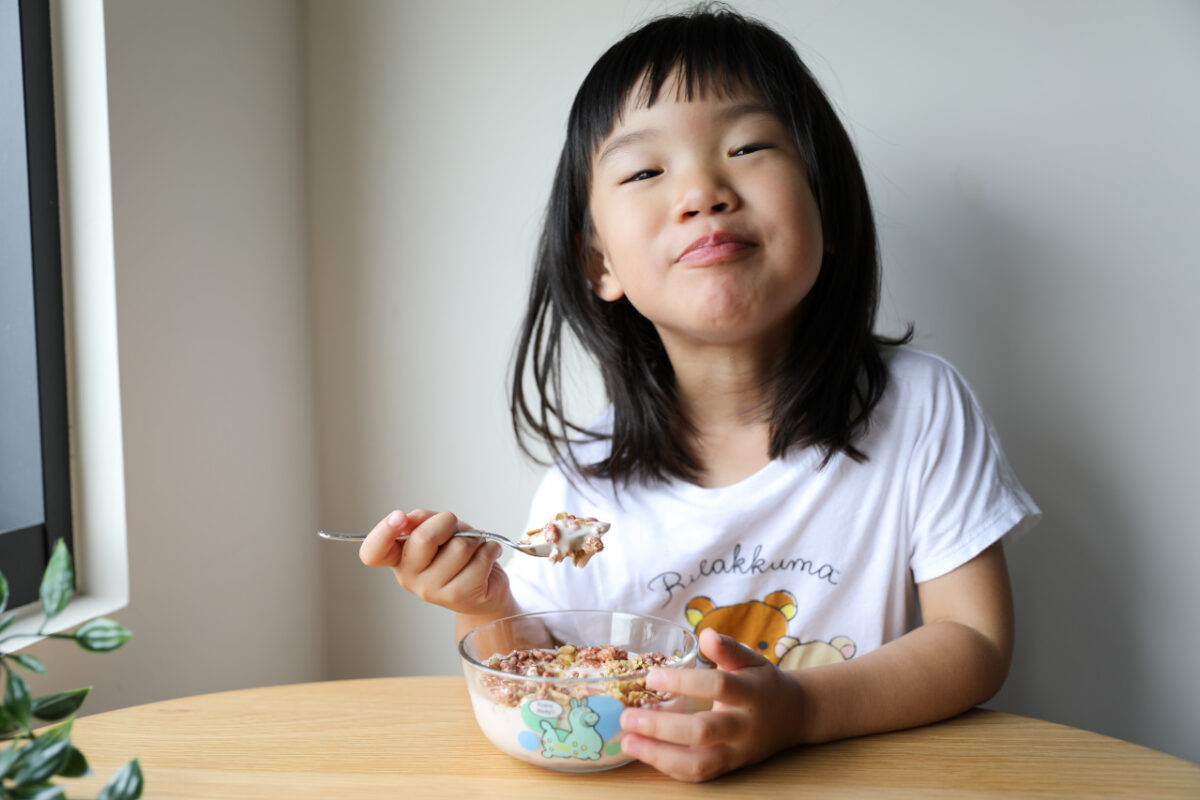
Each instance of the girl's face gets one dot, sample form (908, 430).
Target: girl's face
(703, 217)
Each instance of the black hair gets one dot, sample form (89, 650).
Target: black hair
(832, 374)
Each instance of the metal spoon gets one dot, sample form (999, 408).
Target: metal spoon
(539, 550)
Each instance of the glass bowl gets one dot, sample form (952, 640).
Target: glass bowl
(560, 721)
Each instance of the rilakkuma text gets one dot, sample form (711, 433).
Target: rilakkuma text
(738, 564)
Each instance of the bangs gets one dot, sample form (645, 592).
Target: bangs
(686, 57)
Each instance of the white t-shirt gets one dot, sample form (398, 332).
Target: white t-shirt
(803, 563)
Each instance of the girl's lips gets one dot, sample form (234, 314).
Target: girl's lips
(714, 246)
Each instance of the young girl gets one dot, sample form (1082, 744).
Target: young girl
(792, 486)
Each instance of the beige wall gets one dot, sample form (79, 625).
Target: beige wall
(208, 174)
(1033, 171)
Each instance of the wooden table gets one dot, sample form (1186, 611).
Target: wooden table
(417, 737)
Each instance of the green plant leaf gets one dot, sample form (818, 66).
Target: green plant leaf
(40, 791)
(29, 662)
(18, 702)
(101, 635)
(7, 619)
(7, 727)
(3, 592)
(127, 784)
(45, 757)
(8, 757)
(53, 707)
(58, 581)
(76, 766)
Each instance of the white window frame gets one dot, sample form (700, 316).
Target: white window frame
(90, 321)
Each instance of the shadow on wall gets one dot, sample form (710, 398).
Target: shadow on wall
(1078, 641)
(975, 281)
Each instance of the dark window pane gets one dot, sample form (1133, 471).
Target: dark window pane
(35, 498)
(21, 499)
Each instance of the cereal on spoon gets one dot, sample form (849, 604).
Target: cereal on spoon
(577, 538)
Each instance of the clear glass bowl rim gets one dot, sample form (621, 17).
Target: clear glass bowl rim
(690, 656)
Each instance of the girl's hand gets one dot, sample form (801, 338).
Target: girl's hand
(457, 573)
(754, 714)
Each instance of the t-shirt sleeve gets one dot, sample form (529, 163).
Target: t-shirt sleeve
(964, 493)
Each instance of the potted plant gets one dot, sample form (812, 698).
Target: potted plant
(31, 760)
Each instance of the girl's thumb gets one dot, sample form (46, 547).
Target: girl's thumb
(728, 653)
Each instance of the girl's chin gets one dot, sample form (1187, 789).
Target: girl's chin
(748, 335)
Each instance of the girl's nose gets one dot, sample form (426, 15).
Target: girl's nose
(705, 193)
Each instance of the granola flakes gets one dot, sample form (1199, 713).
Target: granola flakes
(569, 661)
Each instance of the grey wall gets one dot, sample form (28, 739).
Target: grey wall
(1035, 174)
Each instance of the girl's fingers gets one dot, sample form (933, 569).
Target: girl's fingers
(419, 515)
(473, 578)
(717, 685)
(425, 540)
(701, 728)
(448, 563)
(380, 548)
(724, 684)
(680, 762)
(431, 562)
(728, 653)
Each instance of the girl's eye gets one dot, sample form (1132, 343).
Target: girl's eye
(643, 175)
(747, 149)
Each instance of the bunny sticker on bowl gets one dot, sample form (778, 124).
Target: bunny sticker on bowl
(590, 722)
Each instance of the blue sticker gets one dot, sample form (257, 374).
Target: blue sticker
(609, 709)
(590, 722)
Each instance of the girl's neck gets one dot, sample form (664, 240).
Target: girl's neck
(726, 386)
(719, 390)
(723, 395)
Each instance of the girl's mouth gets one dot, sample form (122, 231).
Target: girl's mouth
(714, 247)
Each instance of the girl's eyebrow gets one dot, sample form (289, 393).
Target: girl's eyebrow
(725, 115)
(625, 140)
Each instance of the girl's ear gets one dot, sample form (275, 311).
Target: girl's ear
(604, 281)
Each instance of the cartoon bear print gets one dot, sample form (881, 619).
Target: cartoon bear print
(758, 624)
(794, 654)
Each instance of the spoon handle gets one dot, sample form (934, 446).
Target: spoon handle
(358, 537)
